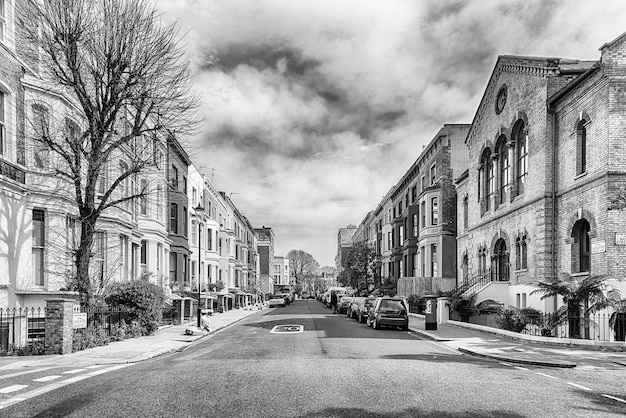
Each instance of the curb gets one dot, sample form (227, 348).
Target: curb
(562, 364)
(555, 364)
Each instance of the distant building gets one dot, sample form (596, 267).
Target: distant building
(282, 273)
(344, 242)
(265, 237)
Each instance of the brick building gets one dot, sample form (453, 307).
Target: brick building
(544, 191)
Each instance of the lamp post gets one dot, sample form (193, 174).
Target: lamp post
(199, 217)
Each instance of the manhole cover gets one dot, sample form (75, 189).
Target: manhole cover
(287, 329)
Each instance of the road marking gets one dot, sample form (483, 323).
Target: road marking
(47, 378)
(520, 368)
(505, 364)
(97, 366)
(614, 398)
(56, 385)
(74, 371)
(37, 370)
(547, 375)
(287, 329)
(579, 386)
(13, 388)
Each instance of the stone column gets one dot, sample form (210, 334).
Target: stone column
(59, 325)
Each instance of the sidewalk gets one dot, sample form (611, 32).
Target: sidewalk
(497, 347)
(167, 339)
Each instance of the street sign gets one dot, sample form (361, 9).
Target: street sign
(598, 247)
(287, 329)
(620, 239)
(80, 320)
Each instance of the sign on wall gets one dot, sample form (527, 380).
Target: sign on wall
(620, 238)
(598, 247)
(80, 320)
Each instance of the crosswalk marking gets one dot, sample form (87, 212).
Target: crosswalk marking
(13, 388)
(74, 371)
(47, 378)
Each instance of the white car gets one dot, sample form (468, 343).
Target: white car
(277, 300)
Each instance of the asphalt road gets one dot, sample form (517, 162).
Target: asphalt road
(334, 368)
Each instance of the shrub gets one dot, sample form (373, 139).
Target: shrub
(90, 337)
(416, 303)
(514, 319)
(143, 300)
(118, 331)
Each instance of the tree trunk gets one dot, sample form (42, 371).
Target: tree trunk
(83, 259)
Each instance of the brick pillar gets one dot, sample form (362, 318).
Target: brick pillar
(59, 325)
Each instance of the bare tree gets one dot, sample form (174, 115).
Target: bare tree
(126, 74)
(303, 267)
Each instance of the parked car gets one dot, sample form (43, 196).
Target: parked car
(353, 307)
(277, 300)
(343, 303)
(389, 311)
(364, 307)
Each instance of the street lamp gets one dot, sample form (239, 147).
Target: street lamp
(199, 217)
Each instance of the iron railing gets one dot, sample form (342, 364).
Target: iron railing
(21, 327)
(474, 284)
(598, 326)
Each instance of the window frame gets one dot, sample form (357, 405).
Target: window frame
(39, 246)
(434, 211)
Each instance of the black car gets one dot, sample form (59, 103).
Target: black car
(389, 311)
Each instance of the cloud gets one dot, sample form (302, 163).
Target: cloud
(315, 108)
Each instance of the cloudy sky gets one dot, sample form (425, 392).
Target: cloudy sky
(313, 109)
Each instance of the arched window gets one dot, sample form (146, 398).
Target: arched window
(487, 178)
(464, 267)
(503, 167)
(581, 255)
(500, 262)
(581, 147)
(521, 142)
(465, 212)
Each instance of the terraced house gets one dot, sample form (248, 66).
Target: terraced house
(144, 193)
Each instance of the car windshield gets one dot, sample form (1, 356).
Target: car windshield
(392, 305)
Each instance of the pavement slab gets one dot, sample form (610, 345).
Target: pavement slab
(488, 345)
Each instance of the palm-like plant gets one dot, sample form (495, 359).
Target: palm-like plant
(580, 299)
(617, 321)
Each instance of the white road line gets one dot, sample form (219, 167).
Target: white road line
(13, 388)
(74, 371)
(96, 366)
(614, 398)
(55, 385)
(47, 378)
(547, 375)
(505, 364)
(578, 386)
(36, 370)
(520, 368)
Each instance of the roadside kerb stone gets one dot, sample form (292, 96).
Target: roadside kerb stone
(509, 359)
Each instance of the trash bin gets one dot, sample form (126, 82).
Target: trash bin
(431, 312)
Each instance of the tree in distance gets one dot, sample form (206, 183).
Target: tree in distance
(358, 268)
(303, 268)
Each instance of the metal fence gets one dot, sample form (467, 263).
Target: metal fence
(599, 327)
(20, 327)
(105, 319)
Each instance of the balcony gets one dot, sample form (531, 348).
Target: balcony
(12, 172)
